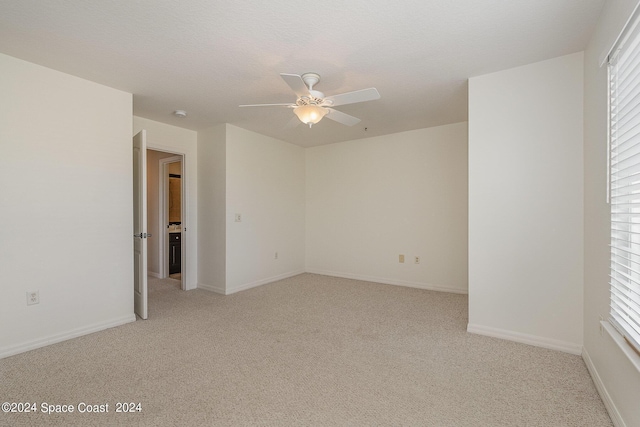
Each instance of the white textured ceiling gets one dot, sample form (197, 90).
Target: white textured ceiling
(209, 56)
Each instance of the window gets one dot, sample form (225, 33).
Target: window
(624, 184)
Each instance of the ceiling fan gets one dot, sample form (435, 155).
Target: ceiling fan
(311, 105)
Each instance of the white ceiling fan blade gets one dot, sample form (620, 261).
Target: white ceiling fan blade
(268, 105)
(340, 117)
(296, 83)
(353, 97)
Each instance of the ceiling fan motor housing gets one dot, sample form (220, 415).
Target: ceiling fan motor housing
(309, 100)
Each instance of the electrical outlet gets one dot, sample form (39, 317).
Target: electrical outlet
(417, 261)
(238, 217)
(401, 259)
(33, 297)
(275, 256)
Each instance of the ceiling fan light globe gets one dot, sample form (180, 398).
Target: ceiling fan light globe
(310, 114)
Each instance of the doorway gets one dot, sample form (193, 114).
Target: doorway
(166, 215)
(171, 207)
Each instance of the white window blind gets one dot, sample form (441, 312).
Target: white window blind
(624, 180)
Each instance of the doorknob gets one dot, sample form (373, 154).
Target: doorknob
(138, 235)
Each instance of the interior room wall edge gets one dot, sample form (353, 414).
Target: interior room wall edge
(534, 340)
(12, 350)
(388, 281)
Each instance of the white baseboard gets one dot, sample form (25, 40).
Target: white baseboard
(210, 288)
(263, 282)
(154, 274)
(614, 414)
(387, 281)
(223, 291)
(56, 338)
(534, 340)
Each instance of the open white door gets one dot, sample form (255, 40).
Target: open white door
(140, 223)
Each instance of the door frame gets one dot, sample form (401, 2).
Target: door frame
(189, 196)
(163, 204)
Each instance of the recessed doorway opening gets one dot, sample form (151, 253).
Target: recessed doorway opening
(166, 215)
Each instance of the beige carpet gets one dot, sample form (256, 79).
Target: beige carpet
(309, 350)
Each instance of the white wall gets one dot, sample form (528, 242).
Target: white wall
(153, 211)
(212, 209)
(525, 203)
(617, 379)
(370, 200)
(262, 179)
(265, 183)
(66, 206)
(177, 140)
